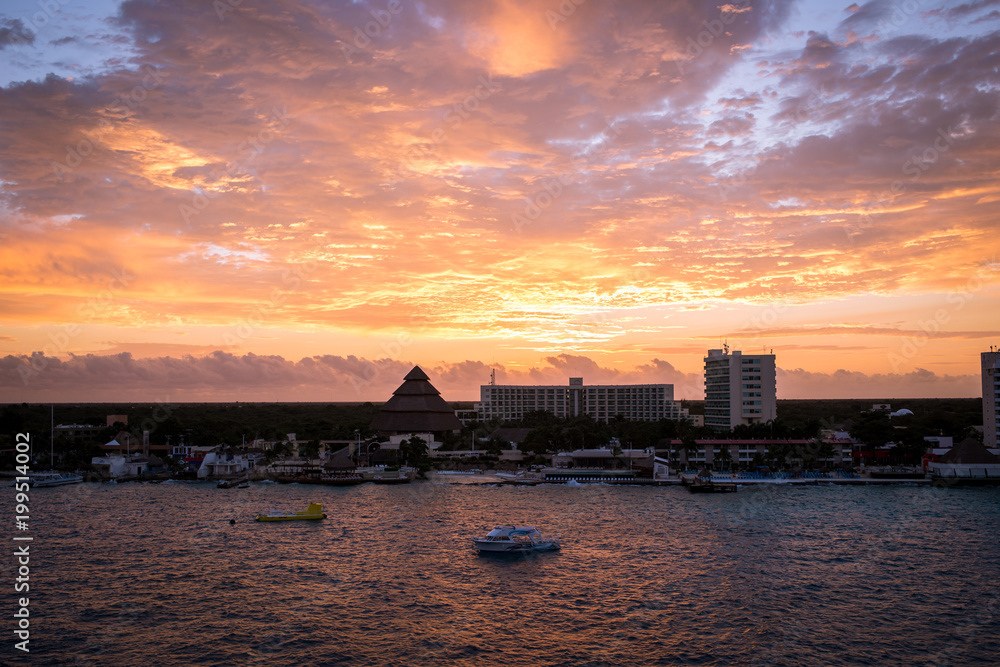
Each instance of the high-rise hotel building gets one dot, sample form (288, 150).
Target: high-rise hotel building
(739, 389)
(603, 402)
(991, 398)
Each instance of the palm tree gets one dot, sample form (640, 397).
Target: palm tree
(724, 457)
(310, 449)
(280, 448)
(689, 445)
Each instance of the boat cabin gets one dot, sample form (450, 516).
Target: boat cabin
(512, 534)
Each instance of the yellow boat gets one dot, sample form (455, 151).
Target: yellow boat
(312, 513)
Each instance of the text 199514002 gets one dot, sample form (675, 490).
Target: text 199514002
(21, 548)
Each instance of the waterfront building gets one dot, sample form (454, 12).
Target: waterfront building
(115, 466)
(643, 463)
(939, 444)
(79, 432)
(739, 389)
(991, 397)
(224, 460)
(191, 455)
(602, 458)
(125, 443)
(395, 442)
(602, 402)
(743, 452)
(968, 460)
(514, 455)
(416, 407)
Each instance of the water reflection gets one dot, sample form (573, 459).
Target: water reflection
(156, 573)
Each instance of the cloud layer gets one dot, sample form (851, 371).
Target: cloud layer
(222, 376)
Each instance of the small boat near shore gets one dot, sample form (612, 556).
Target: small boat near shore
(700, 485)
(514, 539)
(339, 478)
(703, 482)
(234, 483)
(43, 479)
(312, 513)
(401, 475)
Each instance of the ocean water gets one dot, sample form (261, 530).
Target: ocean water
(144, 574)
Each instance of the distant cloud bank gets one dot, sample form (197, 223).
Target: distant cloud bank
(222, 376)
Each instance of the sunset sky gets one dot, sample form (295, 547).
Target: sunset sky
(298, 200)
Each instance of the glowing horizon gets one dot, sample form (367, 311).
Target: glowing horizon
(275, 197)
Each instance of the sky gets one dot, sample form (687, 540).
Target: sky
(291, 200)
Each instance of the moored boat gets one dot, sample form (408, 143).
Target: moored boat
(337, 478)
(402, 475)
(298, 478)
(514, 539)
(233, 483)
(700, 485)
(341, 478)
(42, 479)
(312, 513)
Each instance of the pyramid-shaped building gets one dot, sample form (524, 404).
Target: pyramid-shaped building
(416, 407)
(970, 452)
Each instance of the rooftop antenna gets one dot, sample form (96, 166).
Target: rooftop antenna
(493, 377)
(725, 347)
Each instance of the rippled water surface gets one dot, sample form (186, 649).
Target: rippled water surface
(156, 575)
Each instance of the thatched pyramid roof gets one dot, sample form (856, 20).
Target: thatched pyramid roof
(416, 407)
(340, 460)
(968, 452)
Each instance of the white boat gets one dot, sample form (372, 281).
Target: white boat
(41, 479)
(514, 539)
(402, 475)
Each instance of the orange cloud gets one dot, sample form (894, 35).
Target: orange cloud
(517, 38)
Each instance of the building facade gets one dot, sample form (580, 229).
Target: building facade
(79, 432)
(603, 402)
(743, 453)
(739, 389)
(991, 398)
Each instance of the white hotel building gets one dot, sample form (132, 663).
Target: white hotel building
(739, 389)
(991, 398)
(603, 402)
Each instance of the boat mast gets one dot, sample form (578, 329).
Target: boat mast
(52, 439)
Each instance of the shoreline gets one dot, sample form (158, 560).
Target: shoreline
(492, 478)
